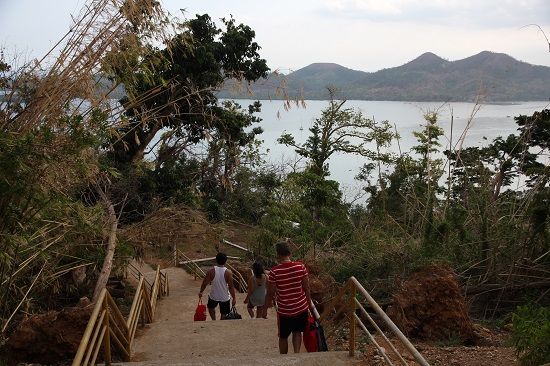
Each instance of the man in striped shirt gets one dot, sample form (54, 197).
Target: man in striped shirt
(290, 281)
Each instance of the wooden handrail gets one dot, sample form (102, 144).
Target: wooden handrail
(243, 284)
(347, 300)
(192, 265)
(197, 270)
(107, 327)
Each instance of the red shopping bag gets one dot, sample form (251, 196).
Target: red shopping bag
(200, 313)
(310, 335)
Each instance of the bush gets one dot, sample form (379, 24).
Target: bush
(531, 335)
(215, 211)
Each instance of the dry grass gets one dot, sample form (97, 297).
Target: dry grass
(189, 232)
(48, 100)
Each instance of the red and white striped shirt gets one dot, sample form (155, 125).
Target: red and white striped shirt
(291, 298)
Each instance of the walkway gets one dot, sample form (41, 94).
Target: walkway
(175, 339)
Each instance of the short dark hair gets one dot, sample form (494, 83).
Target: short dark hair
(282, 248)
(221, 258)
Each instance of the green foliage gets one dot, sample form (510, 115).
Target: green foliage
(174, 88)
(472, 222)
(215, 211)
(324, 217)
(265, 243)
(362, 342)
(309, 210)
(408, 194)
(49, 150)
(252, 191)
(531, 335)
(229, 147)
(374, 255)
(174, 182)
(62, 236)
(332, 132)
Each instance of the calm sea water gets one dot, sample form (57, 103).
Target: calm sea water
(487, 122)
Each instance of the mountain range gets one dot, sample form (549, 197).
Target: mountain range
(495, 77)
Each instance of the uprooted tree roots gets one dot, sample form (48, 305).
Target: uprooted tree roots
(429, 305)
(48, 338)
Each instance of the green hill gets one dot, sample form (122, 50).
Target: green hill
(496, 76)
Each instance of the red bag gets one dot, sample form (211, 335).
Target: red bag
(310, 335)
(200, 313)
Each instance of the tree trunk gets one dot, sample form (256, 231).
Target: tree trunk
(111, 246)
(140, 154)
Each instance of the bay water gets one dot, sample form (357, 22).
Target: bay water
(480, 124)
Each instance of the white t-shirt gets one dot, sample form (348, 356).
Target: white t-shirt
(220, 289)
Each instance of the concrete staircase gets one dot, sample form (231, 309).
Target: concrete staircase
(175, 339)
(301, 359)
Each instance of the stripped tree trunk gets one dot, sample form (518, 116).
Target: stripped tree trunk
(111, 246)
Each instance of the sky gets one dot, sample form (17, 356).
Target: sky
(365, 35)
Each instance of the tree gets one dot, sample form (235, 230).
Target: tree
(229, 146)
(174, 88)
(53, 121)
(408, 193)
(535, 131)
(533, 162)
(340, 130)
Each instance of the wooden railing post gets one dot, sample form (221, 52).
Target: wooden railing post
(107, 324)
(107, 336)
(175, 255)
(352, 295)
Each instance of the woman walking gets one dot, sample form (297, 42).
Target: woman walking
(257, 288)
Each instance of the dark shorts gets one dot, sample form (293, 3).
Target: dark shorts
(224, 305)
(289, 324)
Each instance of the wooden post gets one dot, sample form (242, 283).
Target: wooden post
(175, 256)
(107, 336)
(143, 307)
(352, 307)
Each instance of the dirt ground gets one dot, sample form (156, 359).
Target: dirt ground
(433, 296)
(48, 339)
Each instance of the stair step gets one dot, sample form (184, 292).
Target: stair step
(303, 359)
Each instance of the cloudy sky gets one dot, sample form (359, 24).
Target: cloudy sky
(366, 35)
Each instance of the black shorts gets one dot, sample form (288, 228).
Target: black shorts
(224, 305)
(289, 324)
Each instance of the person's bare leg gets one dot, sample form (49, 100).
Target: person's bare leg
(283, 346)
(262, 312)
(212, 312)
(223, 316)
(250, 311)
(296, 341)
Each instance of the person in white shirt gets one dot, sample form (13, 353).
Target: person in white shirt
(223, 290)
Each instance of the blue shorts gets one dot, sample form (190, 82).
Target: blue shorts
(224, 305)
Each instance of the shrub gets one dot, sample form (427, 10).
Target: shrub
(215, 211)
(531, 335)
